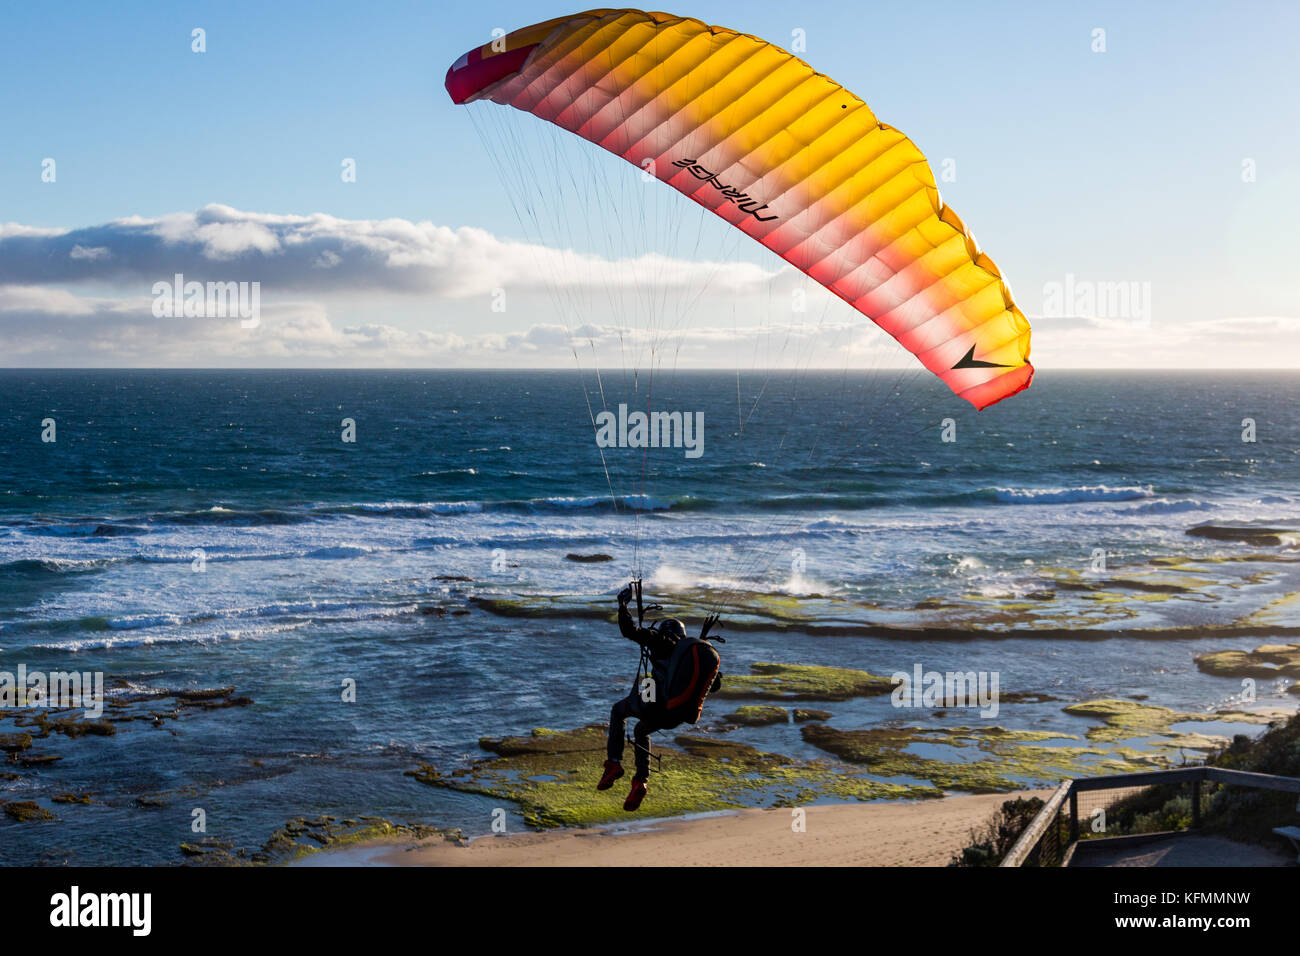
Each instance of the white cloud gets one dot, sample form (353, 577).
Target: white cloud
(1228, 342)
(396, 293)
(92, 253)
(44, 327)
(322, 253)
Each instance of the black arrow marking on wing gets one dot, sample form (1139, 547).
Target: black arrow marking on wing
(970, 361)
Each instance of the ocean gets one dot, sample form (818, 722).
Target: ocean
(453, 565)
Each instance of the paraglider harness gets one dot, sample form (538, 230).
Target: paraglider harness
(645, 667)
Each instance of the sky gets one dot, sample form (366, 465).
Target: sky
(1138, 188)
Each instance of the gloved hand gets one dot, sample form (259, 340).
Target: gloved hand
(625, 595)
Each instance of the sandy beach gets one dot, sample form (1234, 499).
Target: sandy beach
(907, 833)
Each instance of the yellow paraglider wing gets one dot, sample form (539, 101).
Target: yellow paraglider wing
(784, 154)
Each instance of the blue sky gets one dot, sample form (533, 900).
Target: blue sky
(1122, 166)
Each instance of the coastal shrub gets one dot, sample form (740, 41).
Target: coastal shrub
(990, 843)
(1150, 810)
(1239, 813)
(1174, 814)
(1244, 813)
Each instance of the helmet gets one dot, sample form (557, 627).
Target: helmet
(670, 625)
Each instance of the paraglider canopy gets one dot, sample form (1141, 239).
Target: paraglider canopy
(787, 156)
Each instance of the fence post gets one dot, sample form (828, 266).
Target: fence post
(1074, 816)
(1196, 804)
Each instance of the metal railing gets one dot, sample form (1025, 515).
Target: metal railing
(1053, 835)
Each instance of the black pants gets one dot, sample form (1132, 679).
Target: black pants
(647, 723)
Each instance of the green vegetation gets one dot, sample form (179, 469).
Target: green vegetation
(1237, 812)
(12, 743)
(748, 612)
(72, 797)
(752, 716)
(1265, 662)
(1248, 814)
(1006, 758)
(131, 707)
(803, 715)
(773, 681)
(1277, 613)
(993, 841)
(26, 811)
(1128, 718)
(1157, 809)
(1252, 535)
(1160, 582)
(551, 776)
(305, 835)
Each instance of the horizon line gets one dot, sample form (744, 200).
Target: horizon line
(606, 369)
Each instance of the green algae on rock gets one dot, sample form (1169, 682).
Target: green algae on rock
(772, 681)
(12, 743)
(757, 716)
(34, 760)
(72, 797)
(1025, 697)
(26, 811)
(551, 777)
(1265, 662)
(147, 705)
(323, 832)
(1278, 613)
(1007, 758)
(130, 705)
(1258, 536)
(1128, 718)
(77, 727)
(1160, 581)
(803, 715)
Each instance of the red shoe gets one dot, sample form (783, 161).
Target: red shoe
(635, 795)
(613, 770)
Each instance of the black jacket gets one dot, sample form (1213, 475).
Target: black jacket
(659, 645)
